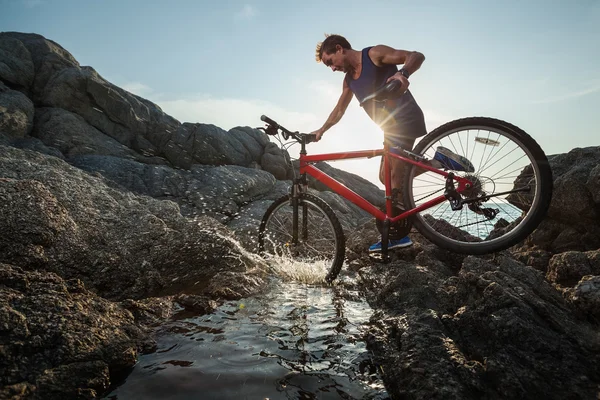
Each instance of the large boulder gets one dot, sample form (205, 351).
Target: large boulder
(47, 58)
(61, 219)
(573, 221)
(16, 66)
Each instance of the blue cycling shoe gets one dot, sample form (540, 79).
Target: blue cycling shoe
(392, 244)
(453, 161)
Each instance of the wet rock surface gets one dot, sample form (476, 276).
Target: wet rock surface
(60, 340)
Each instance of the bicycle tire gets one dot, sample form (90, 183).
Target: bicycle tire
(275, 235)
(453, 230)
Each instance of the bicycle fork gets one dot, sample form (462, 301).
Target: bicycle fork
(299, 227)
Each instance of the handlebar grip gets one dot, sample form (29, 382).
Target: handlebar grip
(268, 120)
(392, 86)
(311, 138)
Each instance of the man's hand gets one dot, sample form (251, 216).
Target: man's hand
(403, 80)
(318, 133)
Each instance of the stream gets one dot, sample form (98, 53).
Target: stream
(294, 341)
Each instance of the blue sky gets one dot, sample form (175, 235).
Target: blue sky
(533, 63)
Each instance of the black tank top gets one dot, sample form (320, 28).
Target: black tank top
(400, 113)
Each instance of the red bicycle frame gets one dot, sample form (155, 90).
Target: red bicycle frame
(306, 167)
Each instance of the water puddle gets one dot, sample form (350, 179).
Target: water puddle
(295, 341)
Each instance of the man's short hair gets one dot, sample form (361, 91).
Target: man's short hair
(328, 45)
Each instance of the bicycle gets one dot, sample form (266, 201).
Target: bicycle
(506, 195)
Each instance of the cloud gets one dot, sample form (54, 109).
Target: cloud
(592, 87)
(227, 113)
(247, 12)
(326, 90)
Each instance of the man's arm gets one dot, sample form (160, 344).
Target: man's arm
(412, 61)
(338, 111)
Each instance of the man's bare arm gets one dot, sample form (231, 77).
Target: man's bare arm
(382, 54)
(338, 112)
(412, 60)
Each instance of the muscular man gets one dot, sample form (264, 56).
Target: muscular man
(365, 71)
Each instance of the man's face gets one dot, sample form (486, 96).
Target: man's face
(336, 61)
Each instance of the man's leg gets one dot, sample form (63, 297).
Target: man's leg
(397, 167)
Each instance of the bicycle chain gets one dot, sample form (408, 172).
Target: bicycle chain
(461, 226)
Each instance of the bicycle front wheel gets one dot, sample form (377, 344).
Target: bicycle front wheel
(316, 252)
(511, 178)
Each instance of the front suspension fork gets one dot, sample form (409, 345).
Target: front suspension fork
(299, 226)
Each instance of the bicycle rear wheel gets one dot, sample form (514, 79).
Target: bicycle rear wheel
(505, 159)
(318, 253)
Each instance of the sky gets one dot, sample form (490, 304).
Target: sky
(533, 63)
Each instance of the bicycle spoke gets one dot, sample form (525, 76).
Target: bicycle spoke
(501, 159)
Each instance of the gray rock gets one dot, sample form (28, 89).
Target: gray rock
(573, 221)
(132, 121)
(496, 330)
(73, 136)
(569, 267)
(214, 146)
(60, 219)
(16, 66)
(59, 340)
(203, 190)
(16, 113)
(47, 56)
(276, 161)
(585, 296)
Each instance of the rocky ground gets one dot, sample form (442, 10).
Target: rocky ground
(112, 214)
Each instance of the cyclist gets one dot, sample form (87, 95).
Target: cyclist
(400, 117)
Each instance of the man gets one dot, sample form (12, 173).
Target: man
(401, 118)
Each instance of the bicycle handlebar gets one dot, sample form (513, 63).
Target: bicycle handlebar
(274, 128)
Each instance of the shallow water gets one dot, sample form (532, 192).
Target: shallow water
(296, 341)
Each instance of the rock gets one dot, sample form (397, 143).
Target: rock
(275, 161)
(16, 113)
(59, 340)
(496, 330)
(568, 268)
(73, 136)
(218, 192)
(16, 68)
(535, 258)
(60, 219)
(30, 143)
(573, 221)
(48, 58)
(130, 120)
(585, 296)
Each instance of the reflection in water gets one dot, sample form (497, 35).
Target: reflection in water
(294, 342)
